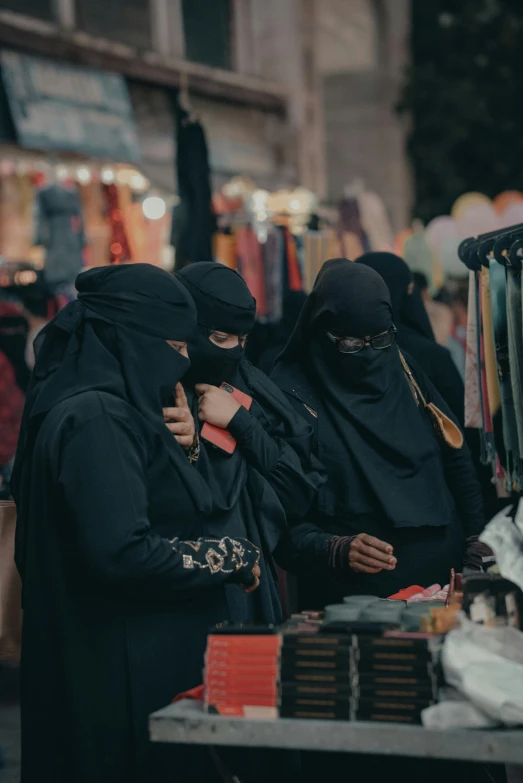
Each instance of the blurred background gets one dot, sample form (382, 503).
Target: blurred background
(269, 135)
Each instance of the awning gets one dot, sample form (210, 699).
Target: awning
(65, 108)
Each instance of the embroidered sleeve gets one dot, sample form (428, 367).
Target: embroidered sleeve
(226, 555)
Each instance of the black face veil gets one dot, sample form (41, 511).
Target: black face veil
(380, 453)
(224, 304)
(113, 339)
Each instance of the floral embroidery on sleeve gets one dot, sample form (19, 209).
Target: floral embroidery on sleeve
(224, 555)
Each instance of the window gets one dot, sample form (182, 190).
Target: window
(207, 28)
(40, 9)
(124, 21)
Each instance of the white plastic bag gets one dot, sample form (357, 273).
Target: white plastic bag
(505, 537)
(486, 666)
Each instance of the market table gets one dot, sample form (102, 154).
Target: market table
(187, 723)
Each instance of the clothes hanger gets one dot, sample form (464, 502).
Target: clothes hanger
(513, 259)
(468, 255)
(505, 242)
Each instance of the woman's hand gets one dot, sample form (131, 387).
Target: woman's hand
(179, 420)
(251, 588)
(369, 555)
(216, 406)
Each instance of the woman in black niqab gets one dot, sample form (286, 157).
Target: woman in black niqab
(388, 475)
(271, 472)
(120, 580)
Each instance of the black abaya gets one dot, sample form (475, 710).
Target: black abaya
(388, 475)
(117, 600)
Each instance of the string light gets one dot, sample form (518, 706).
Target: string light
(83, 175)
(107, 176)
(154, 207)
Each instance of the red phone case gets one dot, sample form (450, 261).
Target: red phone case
(222, 439)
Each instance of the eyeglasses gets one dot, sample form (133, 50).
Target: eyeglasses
(355, 344)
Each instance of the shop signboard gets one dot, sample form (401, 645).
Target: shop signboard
(65, 108)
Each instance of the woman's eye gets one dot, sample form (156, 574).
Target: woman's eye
(219, 338)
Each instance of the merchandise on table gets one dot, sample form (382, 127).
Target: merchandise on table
(335, 668)
(242, 672)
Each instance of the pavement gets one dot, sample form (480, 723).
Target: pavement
(9, 725)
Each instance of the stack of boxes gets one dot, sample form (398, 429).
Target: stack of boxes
(315, 674)
(242, 673)
(394, 676)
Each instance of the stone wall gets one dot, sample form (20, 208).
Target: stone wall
(362, 53)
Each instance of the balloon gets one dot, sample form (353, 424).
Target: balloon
(477, 219)
(506, 199)
(512, 215)
(450, 262)
(439, 230)
(418, 255)
(467, 200)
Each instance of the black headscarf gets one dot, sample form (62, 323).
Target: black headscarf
(408, 309)
(224, 304)
(113, 339)
(415, 335)
(381, 455)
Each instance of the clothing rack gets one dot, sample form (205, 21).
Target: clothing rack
(494, 355)
(503, 245)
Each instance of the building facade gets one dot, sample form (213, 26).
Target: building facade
(289, 91)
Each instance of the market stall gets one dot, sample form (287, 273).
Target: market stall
(187, 723)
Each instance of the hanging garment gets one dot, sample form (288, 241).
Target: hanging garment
(488, 427)
(515, 346)
(473, 417)
(59, 228)
(490, 352)
(273, 257)
(294, 281)
(351, 245)
(194, 222)
(13, 339)
(11, 406)
(224, 249)
(319, 246)
(250, 266)
(119, 249)
(350, 221)
(498, 300)
(375, 221)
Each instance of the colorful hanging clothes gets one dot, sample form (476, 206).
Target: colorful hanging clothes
(515, 347)
(224, 249)
(351, 245)
(119, 249)
(488, 429)
(498, 301)
(375, 221)
(250, 266)
(273, 255)
(488, 339)
(293, 267)
(319, 246)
